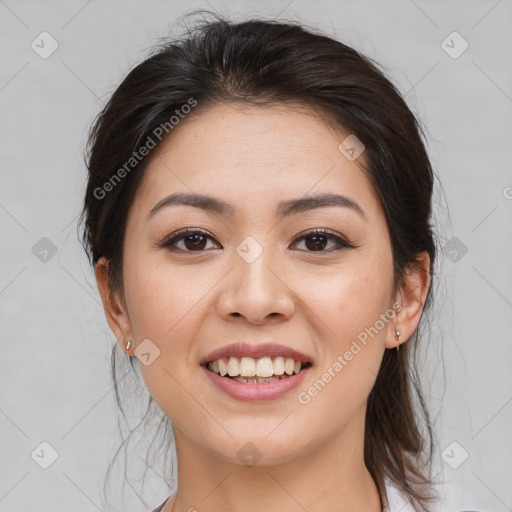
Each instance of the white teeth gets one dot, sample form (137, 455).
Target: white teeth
(279, 365)
(233, 367)
(223, 367)
(257, 370)
(264, 367)
(289, 365)
(247, 367)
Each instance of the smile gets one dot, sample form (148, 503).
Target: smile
(255, 380)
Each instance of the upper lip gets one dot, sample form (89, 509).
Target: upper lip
(255, 351)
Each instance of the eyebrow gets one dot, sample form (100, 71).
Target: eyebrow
(284, 209)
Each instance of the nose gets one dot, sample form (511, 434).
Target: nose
(256, 291)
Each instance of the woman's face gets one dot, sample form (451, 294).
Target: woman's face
(251, 276)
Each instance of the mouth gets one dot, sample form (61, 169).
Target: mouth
(263, 370)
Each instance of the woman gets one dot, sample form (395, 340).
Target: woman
(258, 215)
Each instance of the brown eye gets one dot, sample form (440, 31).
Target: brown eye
(192, 241)
(317, 240)
(195, 242)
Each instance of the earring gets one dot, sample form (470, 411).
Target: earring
(128, 345)
(397, 338)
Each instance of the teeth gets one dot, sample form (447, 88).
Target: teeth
(247, 369)
(264, 367)
(279, 365)
(223, 367)
(256, 380)
(289, 365)
(233, 367)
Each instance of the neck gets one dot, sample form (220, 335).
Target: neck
(331, 477)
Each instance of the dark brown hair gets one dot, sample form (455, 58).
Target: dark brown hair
(268, 62)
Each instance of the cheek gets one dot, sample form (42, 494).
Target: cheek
(162, 296)
(162, 303)
(351, 298)
(352, 332)
(351, 314)
(167, 304)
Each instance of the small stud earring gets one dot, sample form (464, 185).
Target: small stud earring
(128, 345)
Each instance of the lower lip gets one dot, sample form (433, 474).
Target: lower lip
(254, 392)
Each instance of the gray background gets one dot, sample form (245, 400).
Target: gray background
(54, 370)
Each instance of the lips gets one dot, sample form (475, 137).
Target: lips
(250, 391)
(255, 392)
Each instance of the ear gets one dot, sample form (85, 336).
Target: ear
(114, 306)
(411, 296)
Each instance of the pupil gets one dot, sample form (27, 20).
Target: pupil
(316, 245)
(197, 241)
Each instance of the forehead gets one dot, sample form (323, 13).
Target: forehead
(255, 155)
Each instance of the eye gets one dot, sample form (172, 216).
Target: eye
(317, 239)
(194, 240)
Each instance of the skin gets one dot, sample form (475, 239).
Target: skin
(317, 302)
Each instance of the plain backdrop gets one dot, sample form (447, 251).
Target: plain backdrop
(451, 60)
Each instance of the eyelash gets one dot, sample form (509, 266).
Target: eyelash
(169, 242)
